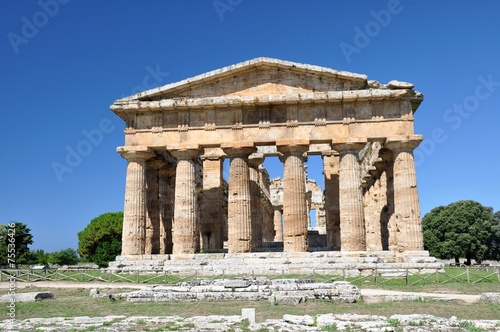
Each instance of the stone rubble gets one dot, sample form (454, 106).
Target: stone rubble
(323, 322)
(279, 291)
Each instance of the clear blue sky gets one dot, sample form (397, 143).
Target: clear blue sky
(63, 66)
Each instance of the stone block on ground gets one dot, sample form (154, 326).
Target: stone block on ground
(490, 297)
(403, 298)
(27, 297)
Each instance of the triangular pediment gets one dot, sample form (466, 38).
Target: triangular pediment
(260, 76)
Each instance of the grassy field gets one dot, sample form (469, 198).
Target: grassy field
(77, 302)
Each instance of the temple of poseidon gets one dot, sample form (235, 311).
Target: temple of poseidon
(182, 216)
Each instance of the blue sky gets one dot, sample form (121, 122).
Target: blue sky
(65, 62)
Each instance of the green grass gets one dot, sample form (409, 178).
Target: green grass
(451, 276)
(77, 302)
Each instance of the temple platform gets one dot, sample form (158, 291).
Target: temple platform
(280, 263)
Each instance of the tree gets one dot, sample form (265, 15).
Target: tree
(42, 257)
(101, 241)
(494, 241)
(64, 257)
(14, 241)
(461, 229)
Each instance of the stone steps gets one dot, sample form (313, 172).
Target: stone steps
(273, 263)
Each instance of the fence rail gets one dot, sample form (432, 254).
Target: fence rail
(408, 277)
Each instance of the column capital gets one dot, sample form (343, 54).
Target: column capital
(329, 153)
(349, 145)
(135, 153)
(242, 148)
(255, 160)
(183, 151)
(288, 146)
(407, 142)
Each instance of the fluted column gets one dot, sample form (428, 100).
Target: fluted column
(406, 203)
(212, 200)
(185, 229)
(239, 199)
(152, 245)
(331, 173)
(255, 160)
(352, 228)
(166, 193)
(294, 198)
(134, 210)
(278, 224)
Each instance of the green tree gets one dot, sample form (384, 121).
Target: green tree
(101, 241)
(14, 241)
(42, 257)
(494, 241)
(461, 229)
(64, 257)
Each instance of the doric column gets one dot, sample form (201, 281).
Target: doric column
(406, 204)
(239, 199)
(185, 229)
(166, 193)
(294, 196)
(212, 216)
(278, 224)
(255, 160)
(152, 245)
(134, 210)
(352, 228)
(331, 173)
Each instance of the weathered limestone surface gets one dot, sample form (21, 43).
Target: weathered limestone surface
(27, 297)
(212, 209)
(166, 187)
(406, 205)
(331, 172)
(321, 322)
(294, 197)
(255, 160)
(152, 238)
(279, 291)
(352, 229)
(275, 263)
(185, 228)
(134, 210)
(239, 200)
(363, 129)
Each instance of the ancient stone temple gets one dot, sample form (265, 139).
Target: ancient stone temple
(178, 135)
